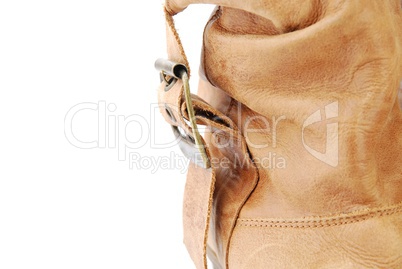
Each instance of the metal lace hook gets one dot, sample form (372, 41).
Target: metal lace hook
(180, 71)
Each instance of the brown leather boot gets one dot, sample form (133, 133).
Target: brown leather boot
(301, 163)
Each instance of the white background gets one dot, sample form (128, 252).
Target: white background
(66, 207)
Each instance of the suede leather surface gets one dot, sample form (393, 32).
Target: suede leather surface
(271, 66)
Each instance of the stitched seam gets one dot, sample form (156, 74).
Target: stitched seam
(323, 222)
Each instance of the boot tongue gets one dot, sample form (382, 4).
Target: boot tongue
(286, 16)
(246, 22)
(335, 83)
(335, 58)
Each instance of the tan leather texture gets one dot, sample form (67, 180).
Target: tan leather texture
(305, 134)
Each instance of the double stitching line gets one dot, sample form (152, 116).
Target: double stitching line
(320, 222)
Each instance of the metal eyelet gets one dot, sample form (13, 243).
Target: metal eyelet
(170, 72)
(169, 80)
(169, 112)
